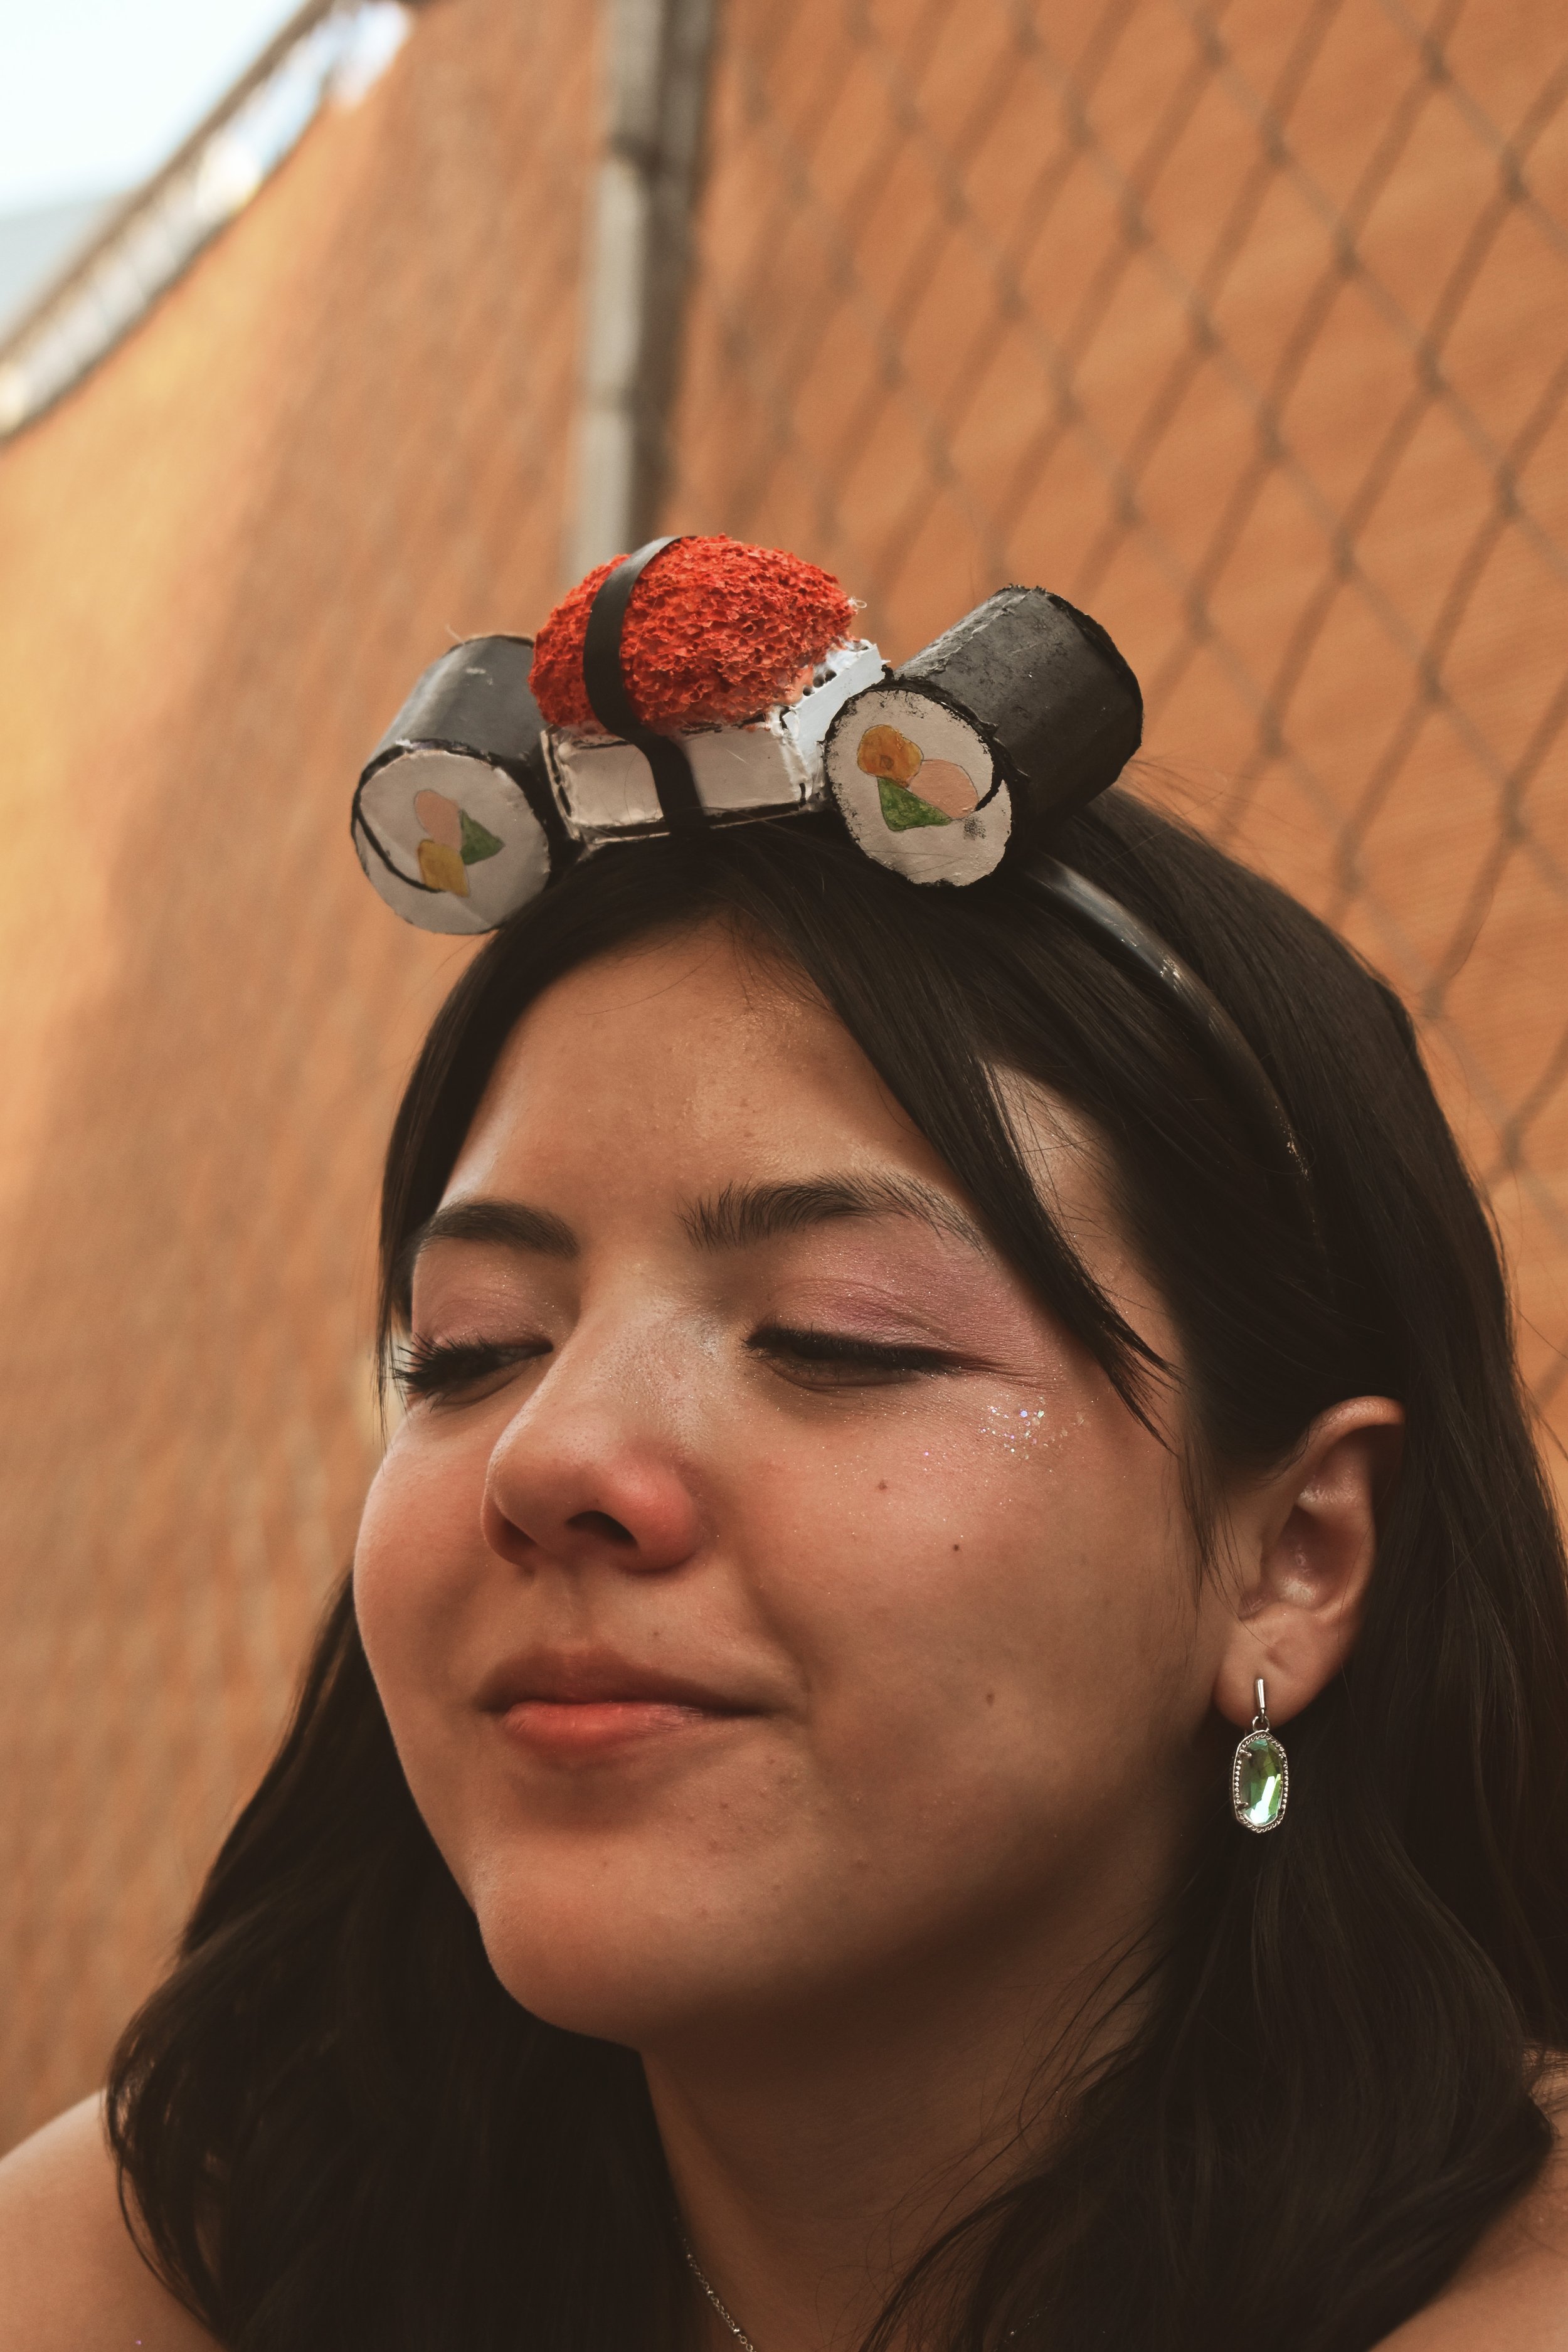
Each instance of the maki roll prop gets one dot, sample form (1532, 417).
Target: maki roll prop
(453, 819)
(1013, 719)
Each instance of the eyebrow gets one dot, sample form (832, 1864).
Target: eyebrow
(512, 1224)
(742, 1215)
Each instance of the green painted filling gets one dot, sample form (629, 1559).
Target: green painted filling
(901, 809)
(478, 844)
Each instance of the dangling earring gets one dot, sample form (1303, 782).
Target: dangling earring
(1261, 1776)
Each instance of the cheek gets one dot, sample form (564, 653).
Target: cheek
(981, 1604)
(409, 1551)
(418, 1567)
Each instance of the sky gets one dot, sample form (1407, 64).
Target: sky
(95, 93)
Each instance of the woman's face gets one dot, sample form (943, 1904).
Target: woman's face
(764, 1594)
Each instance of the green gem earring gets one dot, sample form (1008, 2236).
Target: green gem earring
(1261, 1776)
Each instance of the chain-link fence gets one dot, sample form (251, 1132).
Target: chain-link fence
(1242, 325)
(1246, 327)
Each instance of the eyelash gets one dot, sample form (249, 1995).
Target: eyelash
(826, 1352)
(443, 1367)
(439, 1368)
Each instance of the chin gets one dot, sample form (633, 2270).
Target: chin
(650, 1956)
(617, 1981)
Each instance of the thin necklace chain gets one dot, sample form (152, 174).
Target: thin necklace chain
(728, 2316)
(720, 2305)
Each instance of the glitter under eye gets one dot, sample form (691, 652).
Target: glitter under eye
(1024, 1429)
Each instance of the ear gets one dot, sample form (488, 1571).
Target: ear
(1304, 1540)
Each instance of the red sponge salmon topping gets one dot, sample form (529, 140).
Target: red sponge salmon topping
(715, 632)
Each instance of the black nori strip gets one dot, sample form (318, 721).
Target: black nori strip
(475, 699)
(1047, 689)
(609, 698)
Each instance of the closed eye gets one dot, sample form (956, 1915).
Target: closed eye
(456, 1370)
(817, 1358)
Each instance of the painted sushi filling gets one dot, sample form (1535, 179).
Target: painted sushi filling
(943, 792)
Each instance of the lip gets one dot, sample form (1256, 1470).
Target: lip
(576, 1704)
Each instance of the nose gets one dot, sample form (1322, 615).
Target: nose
(582, 1480)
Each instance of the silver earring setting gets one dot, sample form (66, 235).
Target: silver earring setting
(1260, 1775)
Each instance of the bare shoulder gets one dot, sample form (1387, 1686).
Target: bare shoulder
(70, 2278)
(1511, 2294)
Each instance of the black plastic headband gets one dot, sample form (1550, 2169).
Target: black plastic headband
(1114, 929)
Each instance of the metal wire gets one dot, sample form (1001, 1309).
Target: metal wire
(1245, 329)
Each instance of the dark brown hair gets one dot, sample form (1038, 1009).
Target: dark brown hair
(340, 2132)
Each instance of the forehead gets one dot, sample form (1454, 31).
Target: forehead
(668, 1071)
(649, 1083)
(677, 1054)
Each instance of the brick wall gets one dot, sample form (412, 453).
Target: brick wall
(338, 442)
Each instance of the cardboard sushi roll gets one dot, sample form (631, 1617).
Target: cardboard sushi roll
(606, 789)
(1010, 721)
(453, 819)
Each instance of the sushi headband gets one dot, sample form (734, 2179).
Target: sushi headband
(967, 756)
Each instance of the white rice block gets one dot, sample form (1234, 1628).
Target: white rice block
(605, 789)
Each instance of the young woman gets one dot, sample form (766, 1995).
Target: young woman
(952, 1723)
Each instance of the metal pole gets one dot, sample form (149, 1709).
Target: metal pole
(656, 56)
